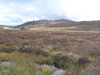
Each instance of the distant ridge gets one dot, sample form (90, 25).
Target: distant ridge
(3, 26)
(42, 22)
(64, 20)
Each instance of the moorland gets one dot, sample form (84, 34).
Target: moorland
(73, 47)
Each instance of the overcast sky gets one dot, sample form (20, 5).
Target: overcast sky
(14, 12)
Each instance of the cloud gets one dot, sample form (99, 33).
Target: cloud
(14, 12)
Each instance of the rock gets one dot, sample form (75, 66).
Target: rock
(94, 72)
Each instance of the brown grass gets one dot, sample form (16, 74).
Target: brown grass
(48, 43)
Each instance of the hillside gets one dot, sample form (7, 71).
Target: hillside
(61, 25)
(31, 24)
(6, 27)
(79, 26)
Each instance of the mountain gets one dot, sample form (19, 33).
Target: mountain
(79, 26)
(41, 23)
(5, 27)
(64, 20)
(61, 23)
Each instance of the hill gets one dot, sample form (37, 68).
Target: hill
(31, 24)
(58, 25)
(6, 27)
(62, 25)
(79, 26)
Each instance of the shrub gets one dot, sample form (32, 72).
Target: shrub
(62, 61)
(34, 49)
(83, 61)
(23, 28)
(7, 49)
(41, 52)
(27, 49)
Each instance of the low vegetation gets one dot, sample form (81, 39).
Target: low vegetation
(71, 51)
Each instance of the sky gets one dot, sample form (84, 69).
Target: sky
(15, 12)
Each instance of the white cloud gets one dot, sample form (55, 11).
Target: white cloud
(84, 9)
(13, 12)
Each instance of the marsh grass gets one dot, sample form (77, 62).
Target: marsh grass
(23, 63)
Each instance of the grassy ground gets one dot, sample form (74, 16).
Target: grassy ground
(62, 29)
(22, 64)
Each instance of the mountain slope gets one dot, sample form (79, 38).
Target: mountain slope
(63, 25)
(85, 26)
(31, 24)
